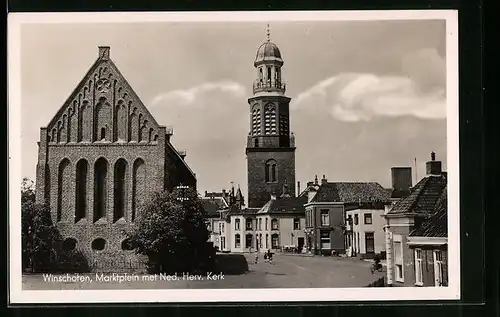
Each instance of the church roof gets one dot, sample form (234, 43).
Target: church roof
(351, 192)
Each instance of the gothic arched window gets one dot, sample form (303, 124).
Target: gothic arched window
(120, 189)
(81, 190)
(100, 189)
(271, 171)
(63, 184)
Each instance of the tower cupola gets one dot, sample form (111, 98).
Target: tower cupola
(268, 63)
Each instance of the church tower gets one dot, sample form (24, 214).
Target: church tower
(270, 145)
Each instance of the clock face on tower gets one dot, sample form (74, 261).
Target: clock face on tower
(103, 85)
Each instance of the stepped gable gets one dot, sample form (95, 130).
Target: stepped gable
(105, 96)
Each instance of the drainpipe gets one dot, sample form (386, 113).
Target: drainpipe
(388, 252)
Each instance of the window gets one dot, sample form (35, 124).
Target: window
(69, 244)
(296, 224)
(271, 171)
(237, 240)
(418, 267)
(275, 241)
(256, 142)
(260, 224)
(237, 224)
(127, 245)
(267, 241)
(269, 74)
(248, 224)
(222, 227)
(267, 221)
(248, 241)
(98, 244)
(356, 219)
(398, 260)
(438, 268)
(325, 217)
(274, 224)
(368, 219)
(325, 240)
(103, 133)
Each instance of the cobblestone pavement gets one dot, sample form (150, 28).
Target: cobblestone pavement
(286, 271)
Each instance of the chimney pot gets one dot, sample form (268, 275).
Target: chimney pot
(316, 179)
(433, 156)
(298, 188)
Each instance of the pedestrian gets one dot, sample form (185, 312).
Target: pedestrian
(270, 256)
(256, 257)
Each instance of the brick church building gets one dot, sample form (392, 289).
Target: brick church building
(99, 158)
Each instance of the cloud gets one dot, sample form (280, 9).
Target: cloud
(196, 94)
(353, 97)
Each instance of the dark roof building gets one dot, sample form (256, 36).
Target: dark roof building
(351, 192)
(285, 206)
(423, 197)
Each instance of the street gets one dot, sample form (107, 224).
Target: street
(286, 271)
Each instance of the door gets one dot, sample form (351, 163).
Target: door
(369, 242)
(300, 243)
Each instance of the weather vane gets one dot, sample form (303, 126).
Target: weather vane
(268, 33)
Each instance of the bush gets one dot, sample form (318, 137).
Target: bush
(71, 261)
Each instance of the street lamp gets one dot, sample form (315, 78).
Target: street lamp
(183, 189)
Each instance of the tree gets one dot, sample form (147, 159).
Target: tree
(40, 238)
(42, 249)
(171, 231)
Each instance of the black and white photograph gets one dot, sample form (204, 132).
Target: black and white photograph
(233, 156)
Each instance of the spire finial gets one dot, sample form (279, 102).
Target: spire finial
(268, 33)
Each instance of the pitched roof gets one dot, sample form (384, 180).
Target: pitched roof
(211, 208)
(351, 192)
(422, 198)
(436, 223)
(285, 205)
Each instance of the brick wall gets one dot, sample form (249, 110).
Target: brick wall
(259, 192)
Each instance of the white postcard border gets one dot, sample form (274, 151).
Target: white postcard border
(19, 296)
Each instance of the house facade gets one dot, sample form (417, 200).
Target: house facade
(365, 231)
(327, 212)
(99, 159)
(416, 233)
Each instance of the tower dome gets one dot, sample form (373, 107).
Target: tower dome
(268, 52)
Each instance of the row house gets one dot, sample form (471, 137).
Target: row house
(332, 215)
(416, 232)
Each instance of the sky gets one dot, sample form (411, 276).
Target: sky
(366, 95)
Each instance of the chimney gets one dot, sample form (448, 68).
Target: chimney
(298, 188)
(433, 167)
(316, 180)
(104, 52)
(324, 180)
(401, 178)
(206, 194)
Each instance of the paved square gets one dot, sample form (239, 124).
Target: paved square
(286, 271)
